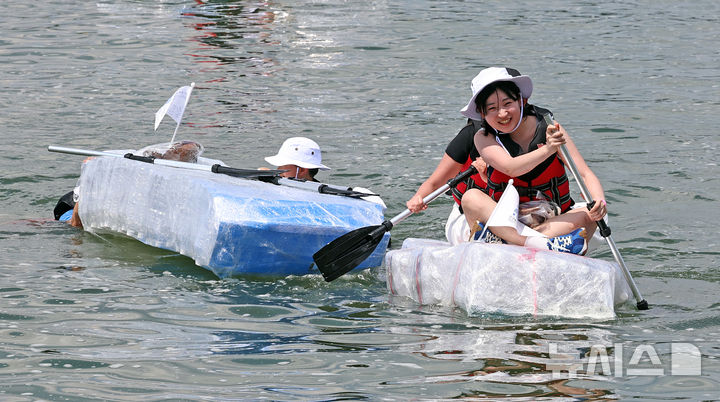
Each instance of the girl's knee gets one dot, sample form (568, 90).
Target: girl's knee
(470, 198)
(476, 205)
(473, 195)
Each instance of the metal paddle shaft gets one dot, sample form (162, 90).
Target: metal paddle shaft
(244, 173)
(346, 252)
(605, 231)
(435, 194)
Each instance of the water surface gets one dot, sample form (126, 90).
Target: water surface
(379, 85)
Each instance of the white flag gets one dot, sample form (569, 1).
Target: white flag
(175, 106)
(506, 213)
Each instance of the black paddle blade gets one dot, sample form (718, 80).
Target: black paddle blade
(346, 252)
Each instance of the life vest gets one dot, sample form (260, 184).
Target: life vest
(474, 181)
(548, 177)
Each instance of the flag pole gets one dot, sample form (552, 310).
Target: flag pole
(187, 99)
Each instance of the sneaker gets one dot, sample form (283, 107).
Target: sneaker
(488, 236)
(573, 242)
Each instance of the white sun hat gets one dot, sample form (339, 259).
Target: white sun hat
(299, 151)
(487, 77)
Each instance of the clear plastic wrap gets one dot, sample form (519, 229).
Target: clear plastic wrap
(491, 278)
(533, 213)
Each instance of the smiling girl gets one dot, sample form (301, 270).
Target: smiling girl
(517, 144)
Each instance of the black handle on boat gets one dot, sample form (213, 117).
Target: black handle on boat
(243, 173)
(347, 191)
(642, 304)
(346, 252)
(321, 188)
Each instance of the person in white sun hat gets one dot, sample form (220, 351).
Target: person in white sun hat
(300, 156)
(519, 145)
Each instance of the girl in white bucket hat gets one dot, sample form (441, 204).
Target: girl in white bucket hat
(519, 145)
(301, 158)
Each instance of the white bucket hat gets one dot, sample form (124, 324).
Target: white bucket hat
(299, 151)
(487, 77)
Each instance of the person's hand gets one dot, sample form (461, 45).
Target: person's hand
(555, 136)
(416, 204)
(481, 167)
(598, 210)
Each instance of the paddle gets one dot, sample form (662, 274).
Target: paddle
(268, 176)
(604, 229)
(244, 173)
(349, 250)
(319, 187)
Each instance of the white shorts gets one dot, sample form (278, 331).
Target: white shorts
(457, 230)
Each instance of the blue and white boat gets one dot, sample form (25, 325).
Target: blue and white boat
(231, 226)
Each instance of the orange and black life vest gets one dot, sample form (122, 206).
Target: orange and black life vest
(548, 177)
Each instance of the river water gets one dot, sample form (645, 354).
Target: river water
(379, 85)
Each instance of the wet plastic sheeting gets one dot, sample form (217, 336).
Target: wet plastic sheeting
(479, 277)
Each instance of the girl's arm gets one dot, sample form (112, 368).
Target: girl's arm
(445, 170)
(496, 156)
(591, 181)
